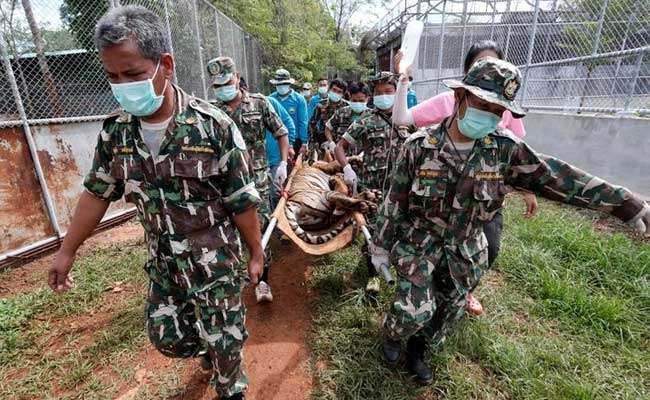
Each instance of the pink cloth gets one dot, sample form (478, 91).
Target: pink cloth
(434, 110)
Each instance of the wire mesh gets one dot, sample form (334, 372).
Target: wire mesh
(59, 72)
(557, 29)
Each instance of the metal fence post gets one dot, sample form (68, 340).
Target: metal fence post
(198, 43)
(599, 27)
(630, 91)
(49, 203)
(248, 75)
(529, 56)
(217, 27)
(494, 15)
(441, 44)
(169, 33)
(462, 45)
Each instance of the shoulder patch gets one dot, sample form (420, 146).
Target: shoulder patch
(506, 133)
(237, 138)
(419, 135)
(210, 111)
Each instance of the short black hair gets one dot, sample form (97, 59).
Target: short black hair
(358, 87)
(478, 47)
(410, 79)
(322, 78)
(339, 83)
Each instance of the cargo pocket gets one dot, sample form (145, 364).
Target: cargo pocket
(428, 192)
(467, 264)
(489, 195)
(215, 253)
(130, 170)
(197, 174)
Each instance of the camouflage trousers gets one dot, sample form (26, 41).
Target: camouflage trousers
(430, 310)
(181, 324)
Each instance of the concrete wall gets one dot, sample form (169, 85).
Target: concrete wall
(615, 149)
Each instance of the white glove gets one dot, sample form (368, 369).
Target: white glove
(330, 146)
(350, 177)
(378, 256)
(280, 173)
(642, 221)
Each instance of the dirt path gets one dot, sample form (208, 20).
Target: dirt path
(276, 357)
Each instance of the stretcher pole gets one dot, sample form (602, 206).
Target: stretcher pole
(384, 269)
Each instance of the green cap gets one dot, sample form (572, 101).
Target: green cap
(282, 76)
(382, 77)
(492, 80)
(221, 70)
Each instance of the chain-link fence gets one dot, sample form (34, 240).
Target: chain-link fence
(56, 71)
(576, 55)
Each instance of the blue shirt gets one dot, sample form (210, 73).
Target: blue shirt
(272, 148)
(411, 99)
(296, 106)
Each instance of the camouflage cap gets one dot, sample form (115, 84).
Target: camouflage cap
(221, 70)
(493, 80)
(382, 77)
(282, 76)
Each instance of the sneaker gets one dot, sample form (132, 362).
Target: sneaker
(373, 287)
(263, 292)
(474, 307)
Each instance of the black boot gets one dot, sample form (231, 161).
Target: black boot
(415, 360)
(237, 396)
(392, 350)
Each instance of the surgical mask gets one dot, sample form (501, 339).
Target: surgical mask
(283, 89)
(225, 93)
(334, 97)
(306, 93)
(358, 106)
(384, 101)
(322, 89)
(477, 124)
(139, 98)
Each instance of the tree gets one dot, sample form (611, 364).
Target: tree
(344, 10)
(81, 17)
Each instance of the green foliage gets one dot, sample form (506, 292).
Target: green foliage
(298, 35)
(81, 17)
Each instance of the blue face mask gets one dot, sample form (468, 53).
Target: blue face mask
(334, 97)
(283, 89)
(139, 98)
(477, 124)
(358, 106)
(384, 101)
(322, 89)
(225, 93)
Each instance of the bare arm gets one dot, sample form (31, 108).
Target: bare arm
(88, 214)
(339, 152)
(283, 143)
(249, 227)
(328, 134)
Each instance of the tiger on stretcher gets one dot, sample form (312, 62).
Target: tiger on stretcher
(318, 205)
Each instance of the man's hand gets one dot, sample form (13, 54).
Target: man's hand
(303, 149)
(350, 177)
(59, 278)
(292, 153)
(280, 173)
(531, 205)
(255, 266)
(642, 221)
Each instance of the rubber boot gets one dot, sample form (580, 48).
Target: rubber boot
(416, 348)
(392, 350)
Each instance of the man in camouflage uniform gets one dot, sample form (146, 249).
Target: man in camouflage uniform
(323, 112)
(345, 116)
(253, 114)
(184, 165)
(375, 136)
(448, 181)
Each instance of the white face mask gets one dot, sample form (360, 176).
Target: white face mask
(283, 89)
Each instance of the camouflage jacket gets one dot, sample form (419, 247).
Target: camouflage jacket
(341, 121)
(184, 199)
(434, 214)
(253, 116)
(323, 112)
(380, 142)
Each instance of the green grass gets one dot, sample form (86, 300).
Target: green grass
(567, 317)
(30, 322)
